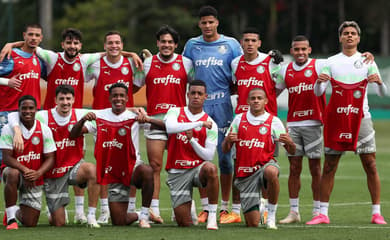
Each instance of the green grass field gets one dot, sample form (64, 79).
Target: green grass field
(350, 209)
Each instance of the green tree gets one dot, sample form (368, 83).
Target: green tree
(137, 21)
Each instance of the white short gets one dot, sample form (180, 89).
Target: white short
(308, 141)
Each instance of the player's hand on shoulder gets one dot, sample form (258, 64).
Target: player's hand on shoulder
(89, 117)
(323, 77)
(6, 51)
(18, 143)
(369, 57)
(276, 55)
(144, 54)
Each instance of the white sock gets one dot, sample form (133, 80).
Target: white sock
(316, 206)
(271, 212)
(154, 205)
(92, 212)
(324, 206)
(11, 211)
(212, 212)
(79, 204)
(104, 205)
(264, 202)
(144, 214)
(224, 205)
(376, 208)
(236, 208)
(294, 205)
(205, 204)
(131, 206)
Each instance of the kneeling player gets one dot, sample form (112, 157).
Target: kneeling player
(254, 134)
(24, 170)
(192, 141)
(69, 167)
(117, 156)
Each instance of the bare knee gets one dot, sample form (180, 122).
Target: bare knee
(210, 170)
(156, 165)
(12, 177)
(271, 173)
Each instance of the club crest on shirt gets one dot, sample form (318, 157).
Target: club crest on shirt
(358, 64)
(357, 94)
(263, 130)
(124, 70)
(76, 67)
(35, 140)
(34, 61)
(260, 69)
(308, 73)
(122, 131)
(70, 126)
(176, 66)
(222, 49)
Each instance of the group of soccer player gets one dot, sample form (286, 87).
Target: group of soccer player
(190, 114)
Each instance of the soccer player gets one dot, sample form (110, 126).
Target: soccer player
(304, 122)
(24, 170)
(254, 69)
(211, 54)
(251, 70)
(69, 168)
(21, 73)
(108, 70)
(348, 107)
(65, 68)
(191, 147)
(117, 156)
(166, 77)
(255, 134)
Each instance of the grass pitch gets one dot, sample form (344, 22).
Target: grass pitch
(350, 209)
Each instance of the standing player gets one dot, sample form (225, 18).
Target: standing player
(24, 170)
(65, 68)
(21, 73)
(69, 167)
(255, 134)
(117, 156)
(111, 69)
(166, 77)
(348, 106)
(304, 122)
(254, 70)
(211, 54)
